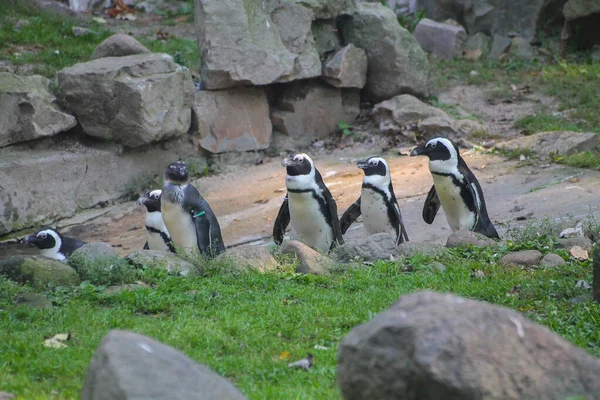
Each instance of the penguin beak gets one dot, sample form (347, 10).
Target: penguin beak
(285, 162)
(362, 164)
(418, 151)
(141, 200)
(288, 162)
(27, 239)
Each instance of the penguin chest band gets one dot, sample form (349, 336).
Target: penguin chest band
(457, 213)
(375, 213)
(180, 225)
(308, 222)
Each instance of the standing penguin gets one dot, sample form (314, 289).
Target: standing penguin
(188, 217)
(455, 188)
(158, 237)
(52, 244)
(308, 205)
(377, 202)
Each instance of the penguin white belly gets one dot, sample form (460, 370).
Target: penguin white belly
(155, 240)
(458, 215)
(180, 226)
(308, 223)
(375, 213)
(54, 254)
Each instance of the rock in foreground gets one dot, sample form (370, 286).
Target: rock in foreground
(157, 259)
(128, 366)
(440, 346)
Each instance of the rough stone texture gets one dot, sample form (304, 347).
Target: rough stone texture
(88, 5)
(526, 258)
(347, 68)
(256, 43)
(596, 272)
(369, 248)
(440, 346)
(157, 259)
(119, 45)
(80, 31)
(409, 249)
(582, 20)
(326, 35)
(468, 238)
(442, 40)
(522, 48)
(128, 366)
(232, 120)
(34, 300)
(396, 62)
(568, 243)
(552, 260)
(310, 261)
(312, 110)
(557, 142)
(251, 257)
(133, 100)
(28, 109)
(38, 271)
(500, 46)
(94, 251)
(479, 42)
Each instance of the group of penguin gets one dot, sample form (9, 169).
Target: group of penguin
(179, 217)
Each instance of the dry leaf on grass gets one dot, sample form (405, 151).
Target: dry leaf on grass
(57, 341)
(579, 253)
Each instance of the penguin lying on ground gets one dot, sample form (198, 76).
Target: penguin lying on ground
(308, 205)
(455, 188)
(158, 237)
(187, 216)
(377, 202)
(52, 244)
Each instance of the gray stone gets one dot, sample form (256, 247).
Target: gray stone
(88, 5)
(255, 258)
(128, 287)
(312, 110)
(438, 267)
(568, 243)
(436, 126)
(468, 238)
(596, 273)
(34, 300)
(38, 271)
(347, 68)
(309, 260)
(157, 259)
(259, 44)
(521, 48)
(368, 248)
(442, 40)
(500, 46)
(326, 35)
(552, 260)
(478, 46)
(28, 109)
(6, 396)
(410, 249)
(396, 62)
(93, 252)
(119, 45)
(55, 7)
(440, 346)
(557, 142)
(526, 258)
(128, 366)
(467, 127)
(80, 31)
(582, 22)
(134, 100)
(232, 120)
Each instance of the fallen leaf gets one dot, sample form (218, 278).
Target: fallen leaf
(126, 17)
(279, 190)
(478, 274)
(181, 19)
(262, 200)
(579, 253)
(583, 285)
(571, 232)
(319, 347)
(285, 355)
(57, 341)
(513, 88)
(514, 291)
(99, 20)
(305, 363)
(574, 180)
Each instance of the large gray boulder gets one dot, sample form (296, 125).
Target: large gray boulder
(28, 109)
(249, 257)
(556, 142)
(440, 346)
(38, 271)
(312, 110)
(129, 366)
(445, 41)
(366, 248)
(234, 119)
(346, 68)
(396, 62)
(119, 45)
(157, 259)
(134, 100)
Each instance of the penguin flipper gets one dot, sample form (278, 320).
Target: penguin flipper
(282, 221)
(402, 235)
(350, 216)
(217, 246)
(146, 246)
(203, 238)
(483, 225)
(335, 221)
(431, 206)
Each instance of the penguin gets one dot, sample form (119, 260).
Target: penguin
(52, 244)
(377, 202)
(187, 216)
(308, 205)
(158, 237)
(455, 188)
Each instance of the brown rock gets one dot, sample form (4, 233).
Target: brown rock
(251, 257)
(557, 142)
(527, 258)
(119, 45)
(310, 261)
(568, 243)
(552, 260)
(347, 68)
(468, 238)
(443, 40)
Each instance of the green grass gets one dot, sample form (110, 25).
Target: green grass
(38, 42)
(240, 323)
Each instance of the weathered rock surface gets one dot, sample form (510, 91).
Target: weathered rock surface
(409, 249)
(312, 110)
(119, 45)
(310, 261)
(34, 300)
(133, 100)
(442, 40)
(500, 46)
(478, 45)
(326, 35)
(596, 273)
(92, 252)
(441, 346)
(38, 271)
(557, 142)
(232, 120)
(568, 243)
(552, 260)
(28, 109)
(526, 258)
(582, 19)
(368, 248)
(88, 5)
(251, 257)
(521, 48)
(396, 62)
(157, 259)
(347, 68)
(468, 238)
(129, 366)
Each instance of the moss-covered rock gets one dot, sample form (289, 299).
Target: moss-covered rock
(38, 271)
(161, 260)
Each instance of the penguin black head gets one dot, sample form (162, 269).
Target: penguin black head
(177, 173)
(374, 166)
(151, 199)
(298, 164)
(44, 238)
(437, 149)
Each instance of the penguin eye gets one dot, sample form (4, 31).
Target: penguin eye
(299, 158)
(433, 145)
(374, 163)
(42, 235)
